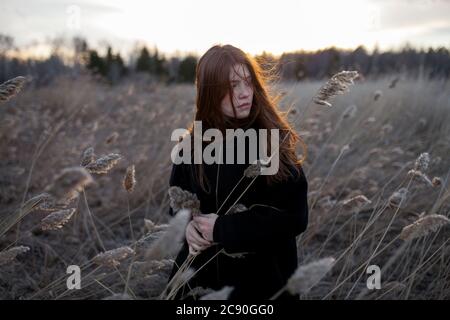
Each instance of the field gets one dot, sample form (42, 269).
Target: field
(363, 146)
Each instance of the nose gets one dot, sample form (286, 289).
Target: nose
(244, 92)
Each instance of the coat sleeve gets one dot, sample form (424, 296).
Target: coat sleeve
(253, 229)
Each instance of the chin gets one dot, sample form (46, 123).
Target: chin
(243, 115)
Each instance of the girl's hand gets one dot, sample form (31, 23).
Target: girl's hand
(205, 224)
(195, 239)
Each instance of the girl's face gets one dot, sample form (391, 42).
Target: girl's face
(242, 88)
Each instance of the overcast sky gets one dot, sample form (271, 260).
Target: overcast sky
(254, 26)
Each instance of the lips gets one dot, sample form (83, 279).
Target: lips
(245, 105)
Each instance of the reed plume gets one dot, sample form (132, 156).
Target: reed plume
(87, 157)
(338, 84)
(57, 220)
(10, 254)
(112, 258)
(423, 226)
(69, 183)
(129, 181)
(422, 162)
(104, 164)
(11, 87)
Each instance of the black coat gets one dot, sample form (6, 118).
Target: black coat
(267, 231)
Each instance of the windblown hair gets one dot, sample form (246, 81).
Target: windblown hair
(213, 83)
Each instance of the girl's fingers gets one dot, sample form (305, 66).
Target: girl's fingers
(193, 237)
(198, 237)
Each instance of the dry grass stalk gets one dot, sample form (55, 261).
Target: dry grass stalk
(11, 87)
(338, 84)
(307, 276)
(69, 183)
(10, 254)
(177, 281)
(112, 258)
(221, 294)
(103, 164)
(57, 220)
(129, 181)
(423, 226)
(183, 199)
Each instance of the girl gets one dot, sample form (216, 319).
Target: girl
(254, 250)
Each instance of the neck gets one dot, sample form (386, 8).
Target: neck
(233, 123)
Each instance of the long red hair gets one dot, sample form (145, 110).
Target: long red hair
(213, 83)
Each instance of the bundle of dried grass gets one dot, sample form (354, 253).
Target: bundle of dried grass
(183, 199)
(169, 243)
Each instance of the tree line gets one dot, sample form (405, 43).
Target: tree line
(292, 66)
